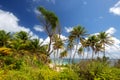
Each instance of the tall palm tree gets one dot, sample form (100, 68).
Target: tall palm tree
(105, 39)
(85, 45)
(70, 46)
(98, 48)
(81, 50)
(50, 24)
(57, 45)
(77, 33)
(63, 54)
(92, 41)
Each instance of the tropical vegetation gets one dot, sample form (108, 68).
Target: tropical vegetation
(25, 58)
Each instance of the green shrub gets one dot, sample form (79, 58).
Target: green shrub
(95, 70)
(68, 74)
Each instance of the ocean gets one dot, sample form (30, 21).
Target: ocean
(66, 61)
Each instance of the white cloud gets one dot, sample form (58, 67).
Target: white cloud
(38, 28)
(68, 29)
(9, 22)
(113, 50)
(115, 9)
(37, 12)
(46, 41)
(111, 30)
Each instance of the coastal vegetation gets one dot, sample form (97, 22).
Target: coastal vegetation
(23, 57)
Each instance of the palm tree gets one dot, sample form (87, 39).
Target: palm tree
(4, 38)
(81, 51)
(70, 46)
(50, 24)
(85, 45)
(24, 39)
(63, 54)
(57, 45)
(105, 39)
(92, 41)
(77, 33)
(22, 35)
(35, 46)
(98, 48)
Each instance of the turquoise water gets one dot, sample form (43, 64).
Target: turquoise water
(66, 61)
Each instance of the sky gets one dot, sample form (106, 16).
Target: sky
(94, 15)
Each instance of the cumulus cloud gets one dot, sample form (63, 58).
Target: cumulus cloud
(68, 29)
(37, 12)
(9, 22)
(46, 41)
(38, 28)
(111, 30)
(115, 9)
(113, 50)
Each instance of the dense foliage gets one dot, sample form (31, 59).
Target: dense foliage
(25, 58)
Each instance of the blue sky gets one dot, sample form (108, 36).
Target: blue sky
(94, 15)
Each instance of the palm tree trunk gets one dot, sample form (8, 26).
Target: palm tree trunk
(49, 46)
(70, 57)
(92, 54)
(104, 51)
(75, 53)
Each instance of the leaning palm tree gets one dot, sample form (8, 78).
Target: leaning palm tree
(92, 41)
(57, 45)
(81, 51)
(50, 22)
(77, 33)
(70, 46)
(105, 40)
(63, 54)
(98, 48)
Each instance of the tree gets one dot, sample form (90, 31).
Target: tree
(77, 33)
(63, 54)
(4, 38)
(105, 40)
(70, 46)
(24, 39)
(81, 50)
(35, 46)
(92, 41)
(22, 35)
(57, 45)
(50, 24)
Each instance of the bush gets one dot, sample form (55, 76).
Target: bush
(68, 74)
(95, 70)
